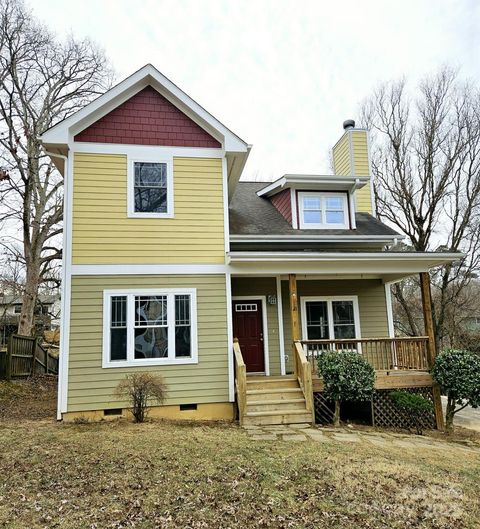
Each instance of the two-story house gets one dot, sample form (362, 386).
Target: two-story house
(229, 289)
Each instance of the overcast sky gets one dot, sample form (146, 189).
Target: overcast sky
(282, 75)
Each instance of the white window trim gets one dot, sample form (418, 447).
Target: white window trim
(131, 361)
(329, 299)
(168, 160)
(323, 225)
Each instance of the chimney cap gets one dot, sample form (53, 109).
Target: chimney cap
(348, 124)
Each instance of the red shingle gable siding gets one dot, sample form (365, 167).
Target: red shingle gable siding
(283, 203)
(147, 118)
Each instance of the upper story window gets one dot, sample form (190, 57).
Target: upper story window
(150, 188)
(150, 327)
(323, 210)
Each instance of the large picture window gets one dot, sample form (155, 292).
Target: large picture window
(323, 210)
(149, 327)
(330, 318)
(150, 188)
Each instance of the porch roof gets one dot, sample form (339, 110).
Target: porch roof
(389, 266)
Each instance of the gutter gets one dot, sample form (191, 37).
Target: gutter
(316, 238)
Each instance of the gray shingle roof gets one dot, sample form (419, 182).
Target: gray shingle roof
(253, 215)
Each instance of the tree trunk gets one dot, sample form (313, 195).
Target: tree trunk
(26, 325)
(450, 414)
(336, 415)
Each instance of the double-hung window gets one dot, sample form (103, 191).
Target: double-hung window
(150, 188)
(332, 318)
(323, 210)
(146, 327)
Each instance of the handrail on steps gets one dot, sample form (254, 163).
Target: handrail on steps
(303, 371)
(240, 380)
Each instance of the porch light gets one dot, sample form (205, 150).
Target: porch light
(272, 299)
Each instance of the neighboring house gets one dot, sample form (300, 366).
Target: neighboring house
(47, 314)
(168, 257)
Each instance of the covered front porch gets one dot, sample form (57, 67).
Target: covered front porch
(282, 322)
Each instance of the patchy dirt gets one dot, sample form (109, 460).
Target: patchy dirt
(30, 399)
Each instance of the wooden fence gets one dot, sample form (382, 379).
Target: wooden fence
(25, 357)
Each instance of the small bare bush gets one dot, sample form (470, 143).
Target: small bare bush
(141, 389)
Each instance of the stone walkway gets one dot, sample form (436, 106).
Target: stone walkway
(303, 432)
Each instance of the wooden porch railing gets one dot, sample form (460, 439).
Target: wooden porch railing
(240, 380)
(303, 370)
(382, 353)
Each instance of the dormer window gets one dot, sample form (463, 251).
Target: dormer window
(150, 188)
(322, 210)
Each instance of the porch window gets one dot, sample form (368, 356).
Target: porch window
(323, 210)
(149, 327)
(330, 318)
(150, 188)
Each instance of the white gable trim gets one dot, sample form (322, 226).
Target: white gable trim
(148, 75)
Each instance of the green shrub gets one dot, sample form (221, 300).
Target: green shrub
(415, 406)
(346, 377)
(141, 389)
(458, 374)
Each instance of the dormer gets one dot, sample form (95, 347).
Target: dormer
(328, 202)
(316, 202)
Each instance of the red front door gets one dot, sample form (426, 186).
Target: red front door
(248, 329)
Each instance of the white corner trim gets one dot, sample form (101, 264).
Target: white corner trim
(226, 225)
(351, 156)
(388, 302)
(266, 353)
(281, 339)
(131, 361)
(148, 269)
(329, 299)
(231, 374)
(62, 397)
(168, 161)
(293, 202)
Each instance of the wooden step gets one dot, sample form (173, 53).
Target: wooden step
(274, 394)
(276, 405)
(258, 418)
(269, 382)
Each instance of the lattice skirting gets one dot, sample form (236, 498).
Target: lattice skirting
(324, 409)
(384, 411)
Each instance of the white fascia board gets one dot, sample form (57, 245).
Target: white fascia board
(316, 238)
(424, 257)
(148, 75)
(338, 182)
(391, 266)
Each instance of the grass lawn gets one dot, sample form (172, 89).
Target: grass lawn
(166, 475)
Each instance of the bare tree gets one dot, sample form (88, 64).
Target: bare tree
(42, 81)
(426, 166)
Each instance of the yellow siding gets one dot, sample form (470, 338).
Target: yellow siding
(361, 168)
(371, 303)
(90, 387)
(357, 141)
(263, 286)
(341, 156)
(103, 234)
